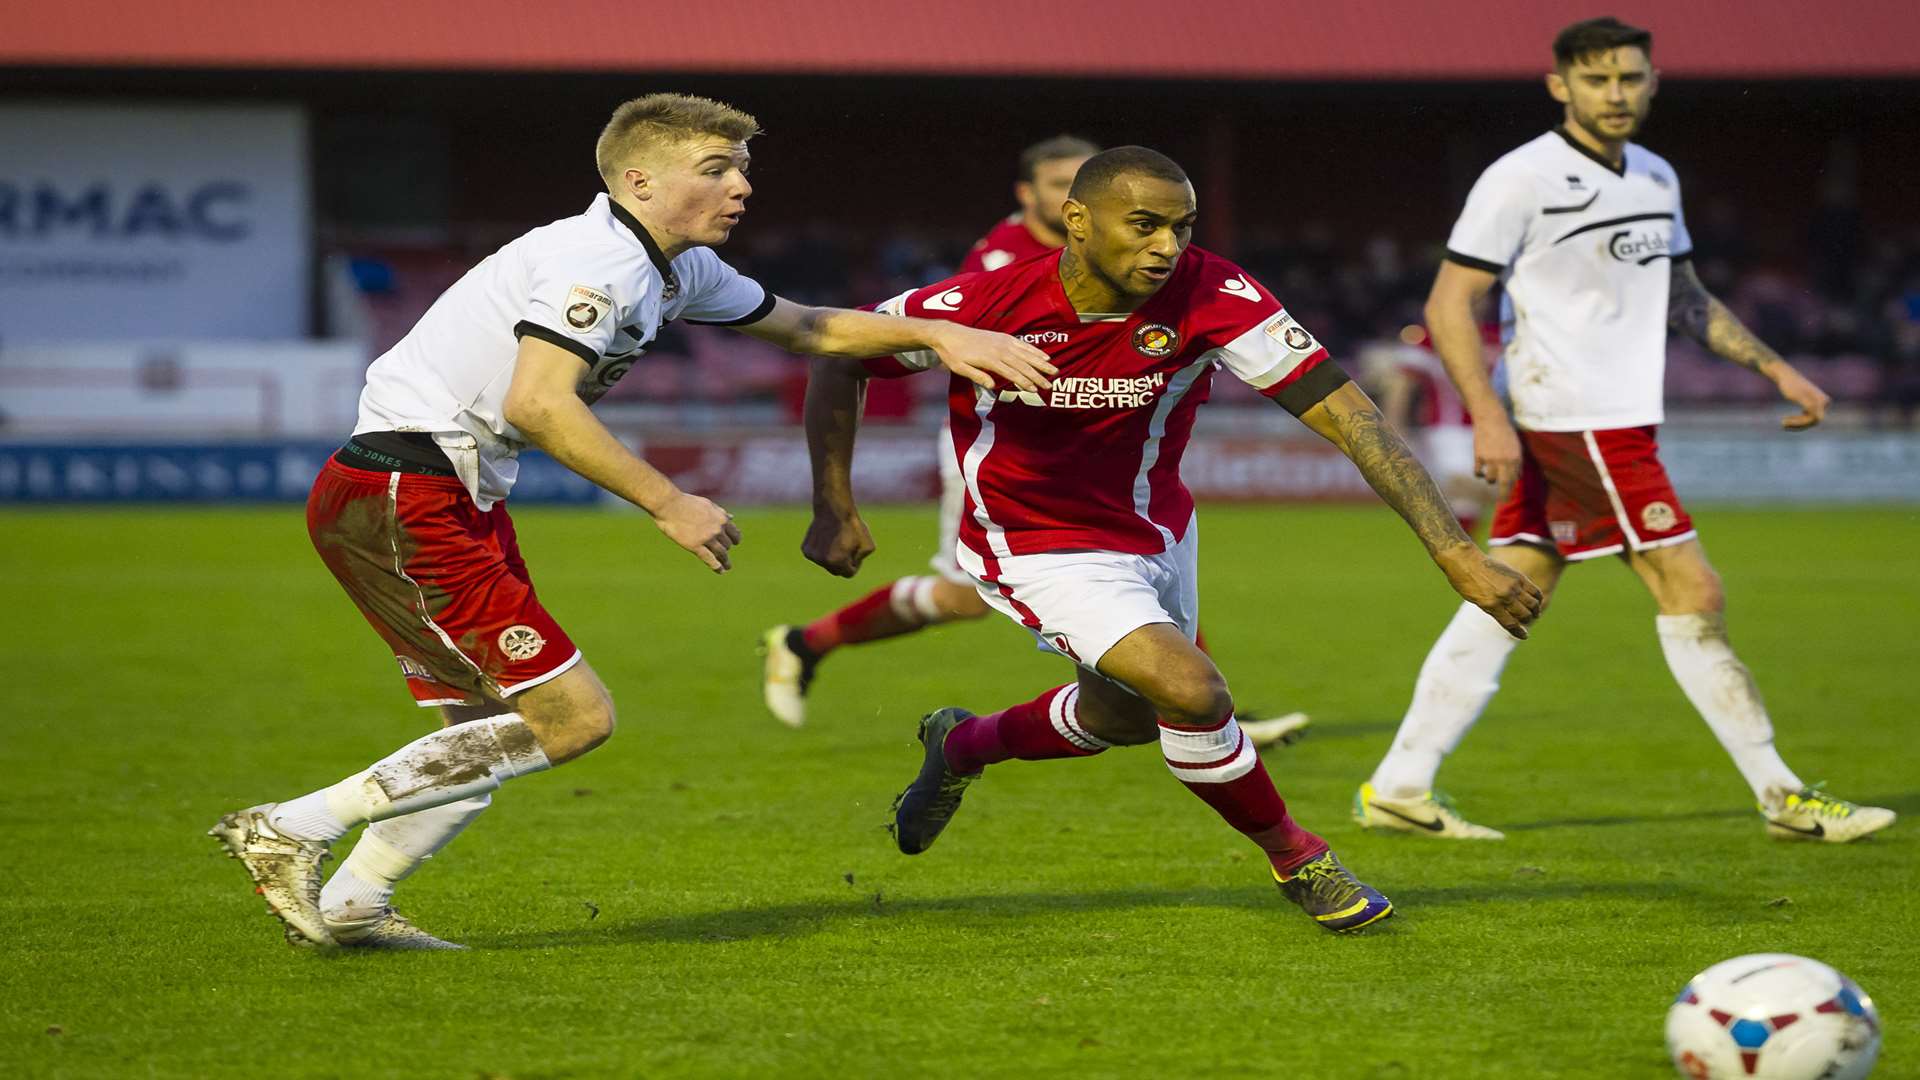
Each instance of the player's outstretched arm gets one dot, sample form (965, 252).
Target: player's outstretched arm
(836, 538)
(1350, 420)
(979, 356)
(1697, 313)
(543, 404)
(1456, 337)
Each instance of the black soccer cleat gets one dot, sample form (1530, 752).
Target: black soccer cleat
(933, 798)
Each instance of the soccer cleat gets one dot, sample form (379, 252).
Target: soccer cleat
(1277, 731)
(1432, 814)
(1812, 814)
(383, 929)
(925, 807)
(1331, 894)
(785, 677)
(285, 871)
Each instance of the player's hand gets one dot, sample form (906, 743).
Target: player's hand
(1496, 453)
(1800, 390)
(837, 541)
(979, 356)
(701, 526)
(1493, 587)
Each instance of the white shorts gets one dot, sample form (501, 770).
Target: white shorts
(953, 499)
(1081, 603)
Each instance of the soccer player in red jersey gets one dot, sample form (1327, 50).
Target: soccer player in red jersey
(1077, 525)
(1583, 228)
(410, 515)
(794, 653)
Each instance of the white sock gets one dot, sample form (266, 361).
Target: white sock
(911, 598)
(1722, 689)
(391, 850)
(1459, 677)
(451, 764)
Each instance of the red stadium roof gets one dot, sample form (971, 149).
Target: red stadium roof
(1241, 39)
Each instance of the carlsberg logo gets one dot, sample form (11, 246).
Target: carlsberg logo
(1640, 248)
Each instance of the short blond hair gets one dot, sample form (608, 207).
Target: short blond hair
(659, 119)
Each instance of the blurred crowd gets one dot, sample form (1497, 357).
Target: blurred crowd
(1848, 314)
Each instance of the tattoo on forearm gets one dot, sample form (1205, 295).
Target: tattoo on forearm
(1693, 311)
(1398, 477)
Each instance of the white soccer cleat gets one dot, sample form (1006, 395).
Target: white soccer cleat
(1812, 814)
(1431, 814)
(1277, 731)
(784, 678)
(285, 871)
(382, 929)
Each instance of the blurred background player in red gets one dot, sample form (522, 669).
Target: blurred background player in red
(1411, 384)
(793, 653)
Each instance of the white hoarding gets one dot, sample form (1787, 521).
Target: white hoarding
(144, 223)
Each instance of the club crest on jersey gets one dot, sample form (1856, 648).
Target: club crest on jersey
(521, 642)
(1657, 517)
(586, 306)
(1155, 340)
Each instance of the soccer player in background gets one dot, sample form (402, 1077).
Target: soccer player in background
(793, 653)
(1416, 398)
(410, 515)
(1584, 229)
(1076, 523)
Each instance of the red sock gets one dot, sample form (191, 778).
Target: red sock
(1046, 727)
(1220, 765)
(879, 614)
(1200, 641)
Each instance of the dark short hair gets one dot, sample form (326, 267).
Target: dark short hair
(1103, 168)
(1591, 37)
(1058, 148)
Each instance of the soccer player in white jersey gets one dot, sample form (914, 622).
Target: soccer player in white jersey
(1584, 228)
(410, 514)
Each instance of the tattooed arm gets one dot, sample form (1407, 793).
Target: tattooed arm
(1350, 420)
(1697, 313)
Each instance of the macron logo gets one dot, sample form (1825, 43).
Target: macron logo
(1239, 286)
(946, 301)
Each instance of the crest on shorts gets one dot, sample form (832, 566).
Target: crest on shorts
(1155, 340)
(1657, 516)
(1563, 532)
(521, 642)
(586, 306)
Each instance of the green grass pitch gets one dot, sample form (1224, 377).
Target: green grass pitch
(713, 895)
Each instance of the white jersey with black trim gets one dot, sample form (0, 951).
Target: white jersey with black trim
(596, 285)
(1585, 251)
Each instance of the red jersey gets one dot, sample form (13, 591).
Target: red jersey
(1093, 463)
(1005, 243)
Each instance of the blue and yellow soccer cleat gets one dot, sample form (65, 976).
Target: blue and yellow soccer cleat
(1812, 814)
(1331, 894)
(933, 798)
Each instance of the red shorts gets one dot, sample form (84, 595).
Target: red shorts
(1591, 493)
(440, 581)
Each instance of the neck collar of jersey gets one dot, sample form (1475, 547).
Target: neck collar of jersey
(625, 217)
(1592, 155)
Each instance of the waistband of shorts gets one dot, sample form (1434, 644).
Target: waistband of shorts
(411, 452)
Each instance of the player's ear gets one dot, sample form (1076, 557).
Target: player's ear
(1557, 87)
(1023, 194)
(1653, 81)
(637, 182)
(1073, 214)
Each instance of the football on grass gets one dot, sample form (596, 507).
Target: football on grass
(1772, 1016)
